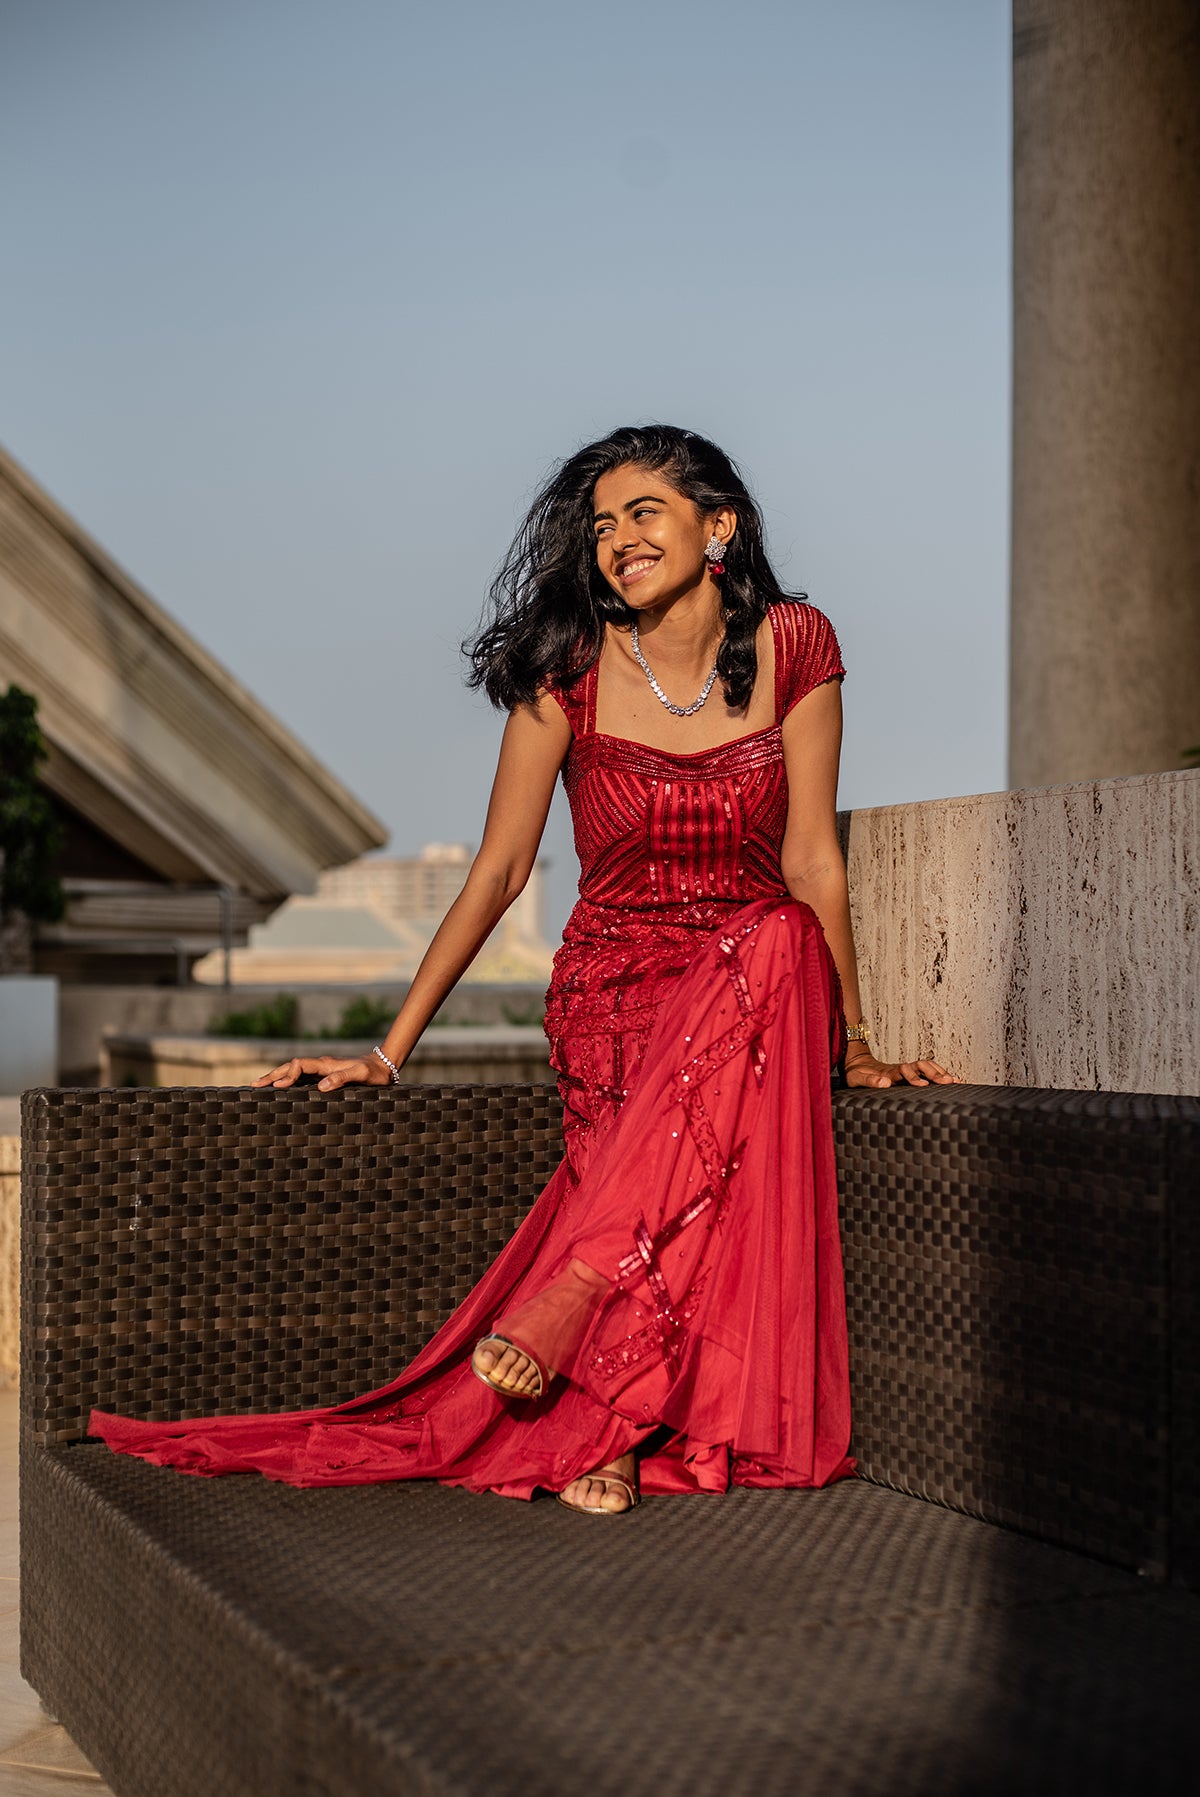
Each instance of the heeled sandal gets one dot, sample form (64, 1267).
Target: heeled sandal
(544, 1373)
(607, 1479)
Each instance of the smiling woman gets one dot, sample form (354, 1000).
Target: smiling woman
(670, 1314)
(571, 570)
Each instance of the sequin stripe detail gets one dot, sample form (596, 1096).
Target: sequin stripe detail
(737, 1037)
(693, 836)
(679, 836)
(602, 1007)
(742, 755)
(705, 1138)
(713, 821)
(729, 947)
(806, 652)
(609, 1363)
(664, 1316)
(631, 1265)
(708, 1197)
(570, 1082)
(609, 819)
(739, 932)
(578, 701)
(646, 1258)
(625, 929)
(713, 1196)
(611, 845)
(618, 1062)
(599, 1020)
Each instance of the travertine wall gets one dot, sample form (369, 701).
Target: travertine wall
(1038, 938)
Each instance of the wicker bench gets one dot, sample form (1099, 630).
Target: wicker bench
(1021, 1276)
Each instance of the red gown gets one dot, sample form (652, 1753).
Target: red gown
(682, 1270)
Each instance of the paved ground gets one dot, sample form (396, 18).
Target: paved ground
(37, 1757)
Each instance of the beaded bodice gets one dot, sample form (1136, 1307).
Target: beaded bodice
(656, 830)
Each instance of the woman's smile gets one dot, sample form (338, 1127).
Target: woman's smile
(636, 568)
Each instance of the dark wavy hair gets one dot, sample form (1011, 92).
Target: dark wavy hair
(549, 603)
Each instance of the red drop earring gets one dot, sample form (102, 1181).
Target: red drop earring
(714, 554)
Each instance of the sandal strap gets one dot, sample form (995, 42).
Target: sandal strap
(605, 1479)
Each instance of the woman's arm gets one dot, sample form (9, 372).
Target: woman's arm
(814, 869)
(536, 739)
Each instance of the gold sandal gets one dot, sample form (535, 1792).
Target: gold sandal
(544, 1375)
(607, 1479)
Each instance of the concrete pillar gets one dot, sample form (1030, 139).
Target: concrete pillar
(1105, 674)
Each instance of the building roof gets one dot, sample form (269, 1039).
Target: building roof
(150, 738)
(307, 923)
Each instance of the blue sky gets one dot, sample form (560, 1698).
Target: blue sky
(301, 302)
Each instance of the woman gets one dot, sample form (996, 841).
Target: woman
(672, 1307)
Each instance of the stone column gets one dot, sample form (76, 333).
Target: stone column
(1105, 676)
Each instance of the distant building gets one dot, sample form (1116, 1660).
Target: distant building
(372, 920)
(420, 889)
(413, 888)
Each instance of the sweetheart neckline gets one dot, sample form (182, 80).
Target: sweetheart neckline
(629, 742)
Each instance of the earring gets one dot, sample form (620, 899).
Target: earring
(714, 553)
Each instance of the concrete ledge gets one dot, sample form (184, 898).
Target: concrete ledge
(496, 1055)
(1043, 938)
(88, 1013)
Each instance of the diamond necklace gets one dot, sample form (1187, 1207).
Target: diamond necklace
(680, 711)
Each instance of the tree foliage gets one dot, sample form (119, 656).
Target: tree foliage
(30, 833)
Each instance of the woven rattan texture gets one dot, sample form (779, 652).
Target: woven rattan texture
(1184, 1183)
(406, 1638)
(192, 1251)
(1009, 1295)
(1013, 1348)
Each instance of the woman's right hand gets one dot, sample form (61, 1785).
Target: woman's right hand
(334, 1073)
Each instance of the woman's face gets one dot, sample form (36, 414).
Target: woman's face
(650, 540)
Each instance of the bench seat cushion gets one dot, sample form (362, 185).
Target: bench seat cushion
(243, 1637)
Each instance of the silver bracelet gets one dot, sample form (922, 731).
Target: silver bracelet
(390, 1065)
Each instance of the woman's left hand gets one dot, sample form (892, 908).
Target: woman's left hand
(865, 1070)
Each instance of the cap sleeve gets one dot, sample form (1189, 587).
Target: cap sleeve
(806, 653)
(578, 701)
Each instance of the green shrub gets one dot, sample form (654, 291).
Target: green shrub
(523, 1016)
(364, 1017)
(276, 1018)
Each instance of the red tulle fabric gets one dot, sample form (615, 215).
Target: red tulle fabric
(681, 1273)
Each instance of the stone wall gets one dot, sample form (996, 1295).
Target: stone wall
(1038, 938)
